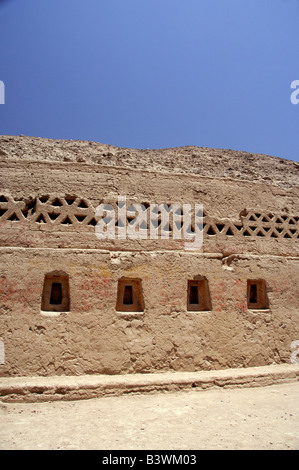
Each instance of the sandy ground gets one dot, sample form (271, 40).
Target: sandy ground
(248, 418)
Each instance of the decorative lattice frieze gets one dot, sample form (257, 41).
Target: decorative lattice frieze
(71, 210)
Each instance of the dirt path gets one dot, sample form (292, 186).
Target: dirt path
(256, 418)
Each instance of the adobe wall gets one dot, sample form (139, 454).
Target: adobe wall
(94, 338)
(47, 225)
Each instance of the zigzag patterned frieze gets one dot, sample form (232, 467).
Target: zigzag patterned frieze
(68, 210)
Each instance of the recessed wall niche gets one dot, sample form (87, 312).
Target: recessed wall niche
(56, 294)
(198, 295)
(129, 295)
(257, 297)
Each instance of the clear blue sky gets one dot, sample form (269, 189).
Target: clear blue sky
(153, 73)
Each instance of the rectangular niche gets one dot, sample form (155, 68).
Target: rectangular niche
(129, 296)
(257, 297)
(198, 295)
(56, 295)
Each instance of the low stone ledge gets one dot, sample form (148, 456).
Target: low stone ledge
(53, 388)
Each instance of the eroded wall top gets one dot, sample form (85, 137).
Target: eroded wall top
(205, 162)
(50, 191)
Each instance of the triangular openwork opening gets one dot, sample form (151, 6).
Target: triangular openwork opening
(57, 203)
(93, 222)
(67, 221)
(211, 231)
(80, 218)
(82, 204)
(2, 212)
(229, 232)
(13, 217)
(53, 216)
(41, 219)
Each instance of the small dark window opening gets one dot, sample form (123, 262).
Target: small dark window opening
(257, 297)
(193, 294)
(56, 293)
(198, 295)
(128, 295)
(253, 294)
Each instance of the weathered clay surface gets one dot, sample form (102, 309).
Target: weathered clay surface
(49, 194)
(201, 161)
(41, 389)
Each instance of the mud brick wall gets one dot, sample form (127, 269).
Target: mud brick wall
(73, 304)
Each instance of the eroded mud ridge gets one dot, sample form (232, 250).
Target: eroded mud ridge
(202, 161)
